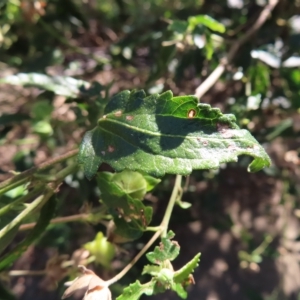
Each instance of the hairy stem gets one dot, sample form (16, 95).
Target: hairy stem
(176, 190)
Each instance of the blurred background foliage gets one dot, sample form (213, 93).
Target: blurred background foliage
(245, 225)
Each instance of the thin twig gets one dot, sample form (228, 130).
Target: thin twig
(219, 70)
(136, 258)
(41, 200)
(32, 194)
(27, 272)
(23, 177)
(161, 230)
(49, 190)
(73, 218)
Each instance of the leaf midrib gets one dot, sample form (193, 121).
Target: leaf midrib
(137, 129)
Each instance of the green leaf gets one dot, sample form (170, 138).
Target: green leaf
(60, 85)
(127, 230)
(41, 110)
(179, 289)
(16, 192)
(103, 250)
(209, 48)
(151, 181)
(183, 204)
(134, 183)
(167, 250)
(131, 216)
(207, 21)
(179, 26)
(151, 269)
(182, 274)
(42, 127)
(136, 290)
(45, 217)
(163, 275)
(162, 134)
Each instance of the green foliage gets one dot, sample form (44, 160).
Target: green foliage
(153, 134)
(163, 275)
(183, 274)
(44, 219)
(122, 194)
(103, 250)
(167, 250)
(135, 290)
(60, 85)
(60, 46)
(196, 31)
(206, 21)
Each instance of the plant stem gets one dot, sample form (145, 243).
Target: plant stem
(34, 193)
(27, 273)
(160, 230)
(66, 219)
(137, 257)
(219, 70)
(153, 228)
(38, 202)
(176, 190)
(79, 217)
(12, 185)
(41, 200)
(24, 176)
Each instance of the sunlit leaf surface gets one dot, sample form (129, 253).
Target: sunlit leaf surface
(162, 134)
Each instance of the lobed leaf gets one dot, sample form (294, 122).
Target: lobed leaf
(162, 134)
(208, 22)
(182, 274)
(167, 250)
(136, 290)
(151, 269)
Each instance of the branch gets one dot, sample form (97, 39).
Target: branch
(67, 219)
(23, 177)
(136, 258)
(219, 70)
(161, 230)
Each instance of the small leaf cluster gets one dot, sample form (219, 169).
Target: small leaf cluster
(163, 275)
(197, 31)
(123, 193)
